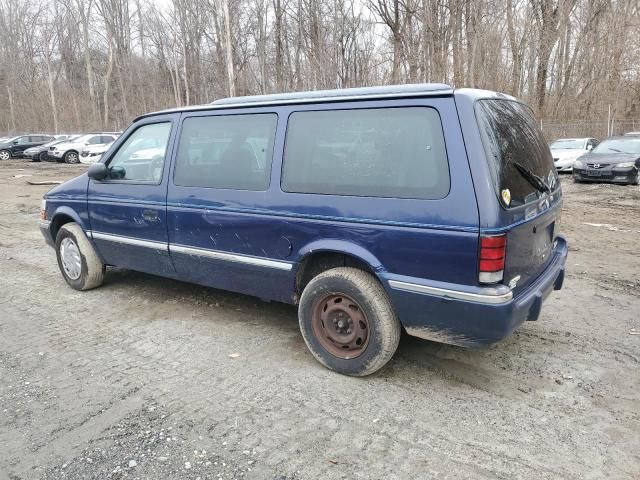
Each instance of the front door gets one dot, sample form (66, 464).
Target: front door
(127, 210)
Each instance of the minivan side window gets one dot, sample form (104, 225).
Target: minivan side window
(230, 151)
(141, 157)
(376, 152)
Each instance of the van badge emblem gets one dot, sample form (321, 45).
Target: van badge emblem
(506, 196)
(514, 281)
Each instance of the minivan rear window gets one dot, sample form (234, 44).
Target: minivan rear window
(375, 152)
(226, 151)
(518, 156)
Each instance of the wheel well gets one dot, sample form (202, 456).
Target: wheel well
(316, 263)
(57, 222)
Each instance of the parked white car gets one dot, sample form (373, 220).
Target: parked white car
(93, 153)
(69, 152)
(565, 151)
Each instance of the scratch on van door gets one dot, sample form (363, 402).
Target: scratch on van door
(213, 240)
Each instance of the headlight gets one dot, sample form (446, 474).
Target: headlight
(578, 164)
(626, 164)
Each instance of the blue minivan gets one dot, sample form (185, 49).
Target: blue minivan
(375, 210)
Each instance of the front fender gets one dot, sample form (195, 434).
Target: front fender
(64, 210)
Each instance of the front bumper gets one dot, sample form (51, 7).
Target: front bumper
(613, 175)
(45, 229)
(475, 322)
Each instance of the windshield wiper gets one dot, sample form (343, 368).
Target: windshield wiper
(532, 178)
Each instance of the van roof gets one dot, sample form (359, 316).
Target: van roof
(317, 96)
(386, 91)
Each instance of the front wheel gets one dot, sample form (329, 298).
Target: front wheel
(347, 321)
(5, 154)
(78, 261)
(71, 157)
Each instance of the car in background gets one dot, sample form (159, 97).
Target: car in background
(93, 153)
(69, 152)
(616, 160)
(39, 153)
(631, 134)
(565, 151)
(15, 146)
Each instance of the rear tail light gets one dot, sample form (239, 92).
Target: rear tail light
(492, 254)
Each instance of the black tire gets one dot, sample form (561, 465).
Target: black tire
(42, 157)
(5, 155)
(92, 270)
(383, 326)
(71, 157)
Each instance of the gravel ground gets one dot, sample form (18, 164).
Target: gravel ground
(152, 378)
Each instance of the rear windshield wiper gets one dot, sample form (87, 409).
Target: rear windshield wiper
(532, 178)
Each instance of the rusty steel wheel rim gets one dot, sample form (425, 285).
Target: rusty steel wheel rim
(340, 326)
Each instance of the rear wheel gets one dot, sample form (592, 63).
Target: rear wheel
(71, 157)
(42, 156)
(5, 154)
(348, 322)
(78, 261)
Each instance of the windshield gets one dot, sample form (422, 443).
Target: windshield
(518, 155)
(619, 145)
(568, 144)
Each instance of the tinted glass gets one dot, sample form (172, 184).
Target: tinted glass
(22, 140)
(141, 157)
(518, 156)
(382, 152)
(619, 145)
(232, 151)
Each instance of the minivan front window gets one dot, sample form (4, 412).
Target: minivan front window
(518, 156)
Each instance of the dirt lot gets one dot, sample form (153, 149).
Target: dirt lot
(135, 379)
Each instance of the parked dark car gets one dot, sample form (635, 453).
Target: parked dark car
(39, 153)
(616, 159)
(372, 209)
(17, 145)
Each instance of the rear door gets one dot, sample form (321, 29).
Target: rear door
(220, 186)
(127, 210)
(525, 183)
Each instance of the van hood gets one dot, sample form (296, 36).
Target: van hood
(75, 188)
(610, 158)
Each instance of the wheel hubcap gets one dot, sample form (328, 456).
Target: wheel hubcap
(70, 257)
(4, 155)
(73, 158)
(340, 326)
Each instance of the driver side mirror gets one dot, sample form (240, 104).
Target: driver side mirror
(98, 171)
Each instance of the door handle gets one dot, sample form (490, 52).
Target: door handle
(150, 215)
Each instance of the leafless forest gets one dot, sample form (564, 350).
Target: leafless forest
(69, 65)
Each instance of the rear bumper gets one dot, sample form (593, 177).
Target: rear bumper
(473, 321)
